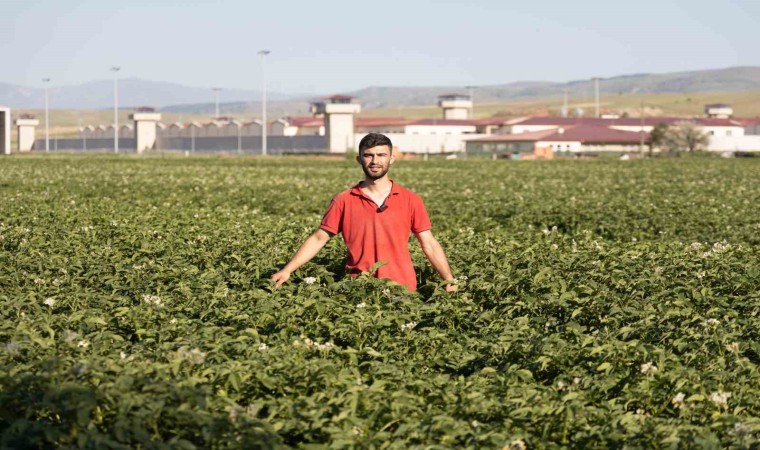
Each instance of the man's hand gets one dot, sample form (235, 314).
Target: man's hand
(437, 258)
(310, 247)
(280, 277)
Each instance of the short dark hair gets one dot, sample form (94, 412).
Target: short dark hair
(373, 140)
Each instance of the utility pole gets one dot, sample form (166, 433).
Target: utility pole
(596, 96)
(47, 116)
(216, 101)
(641, 131)
(263, 54)
(471, 90)
(115, 70)
(564, 106)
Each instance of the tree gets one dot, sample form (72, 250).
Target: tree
(684, 136)
(657, 136)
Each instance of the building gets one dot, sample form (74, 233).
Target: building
(572, 139)
(335, 119)
(455, 106)
(719, 111)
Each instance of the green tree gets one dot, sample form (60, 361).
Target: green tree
(657, 136)
(684, 136)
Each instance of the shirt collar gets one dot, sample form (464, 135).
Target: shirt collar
(356, 190)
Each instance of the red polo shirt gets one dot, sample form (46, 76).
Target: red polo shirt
(378, 236)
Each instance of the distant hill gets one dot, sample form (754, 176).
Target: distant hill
(132, 92)
(718, 80)
(194, 100)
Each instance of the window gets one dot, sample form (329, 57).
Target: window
(729, 132)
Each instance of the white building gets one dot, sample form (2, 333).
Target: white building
(455, 106)
(578, 138)
(719, 111)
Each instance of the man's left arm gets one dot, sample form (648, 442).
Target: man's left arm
(435, 254)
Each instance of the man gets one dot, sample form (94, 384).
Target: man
(375, 217)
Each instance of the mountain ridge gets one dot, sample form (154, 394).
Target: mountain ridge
(166, 96)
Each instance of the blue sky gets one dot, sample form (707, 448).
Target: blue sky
(338, 46)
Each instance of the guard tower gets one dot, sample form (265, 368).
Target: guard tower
(338, 111)
(455, 106)
(26, 124)
(5, 130)
(145, 128)
(719, 111)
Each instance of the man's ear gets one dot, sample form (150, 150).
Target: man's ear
(359, 157)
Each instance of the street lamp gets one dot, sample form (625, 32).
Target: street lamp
(47, 117)
(564, 104)
(216, 101)
(263, 53)
(471, 90)
(115, 70)
(596, 96)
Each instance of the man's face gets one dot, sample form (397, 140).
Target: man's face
(376, 161)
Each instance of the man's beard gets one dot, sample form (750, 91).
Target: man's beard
(376, 175)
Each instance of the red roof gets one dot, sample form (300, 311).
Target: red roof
(626, 121)
(715, 122)
(444, 122)
(381, 121)
(586, 134)
(305, 121)
(490, 121)
(338, 97)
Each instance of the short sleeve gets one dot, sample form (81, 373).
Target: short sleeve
(420, 218)
(332, 221)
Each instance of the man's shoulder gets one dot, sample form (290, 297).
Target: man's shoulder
(344, 195)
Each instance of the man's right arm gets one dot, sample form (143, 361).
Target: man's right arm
(308, 250)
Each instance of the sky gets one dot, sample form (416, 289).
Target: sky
(333, 46)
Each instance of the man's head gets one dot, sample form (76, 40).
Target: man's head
(375, 155)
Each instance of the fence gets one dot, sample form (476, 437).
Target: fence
(95, 145)
(245, 144)
(218, 144)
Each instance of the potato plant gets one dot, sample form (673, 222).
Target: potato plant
(601, 304)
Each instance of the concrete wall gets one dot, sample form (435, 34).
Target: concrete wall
(456, 113)
(557, 147)
(440, 129)
(339, 130)
(223, 144)
(500, 147)
(735, 143)
(5, 131)
(246, 144)
(26, 134)
(384, 129)
(612, 148)
(723, 131)
(95, 145)
(431, 143)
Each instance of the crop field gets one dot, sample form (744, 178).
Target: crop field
(602, 304)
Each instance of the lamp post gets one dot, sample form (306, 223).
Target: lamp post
(263, 53)
(216, 101)
(240, 138)
(47, 117)
(115, 70)
(471, 90)
(596, 96)
(564, 105)
(641, 132)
